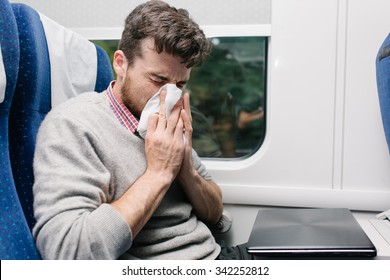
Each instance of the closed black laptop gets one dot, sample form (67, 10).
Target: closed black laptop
(308, 233)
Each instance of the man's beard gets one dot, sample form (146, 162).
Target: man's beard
(127, 98)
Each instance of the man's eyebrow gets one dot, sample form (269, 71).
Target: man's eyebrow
(164, 78)
(160, 77)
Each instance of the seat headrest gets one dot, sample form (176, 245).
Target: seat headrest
(73, 61)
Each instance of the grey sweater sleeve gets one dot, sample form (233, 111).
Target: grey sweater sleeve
(71, 195)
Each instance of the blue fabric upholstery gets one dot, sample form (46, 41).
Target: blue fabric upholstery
(16, 241)
(31, 102)
(383, 83)
(104, 70)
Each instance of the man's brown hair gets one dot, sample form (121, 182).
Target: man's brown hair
(172, 30)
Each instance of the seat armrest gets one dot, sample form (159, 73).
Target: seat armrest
(223, 225)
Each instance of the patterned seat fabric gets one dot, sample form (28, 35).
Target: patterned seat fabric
(16, 241)
(55, 64)
(383, 83)
(31, 102)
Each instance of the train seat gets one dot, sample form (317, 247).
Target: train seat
(56, 64)
(383, 83)
(31, 102)
(16, 241)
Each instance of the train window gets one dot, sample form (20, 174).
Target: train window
(227, 97)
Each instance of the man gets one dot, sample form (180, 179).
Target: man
(101, 191)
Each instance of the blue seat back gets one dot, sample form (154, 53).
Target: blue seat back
(383, 83)
(16, 241)
(32, 101)
(55, 64)
(104, 71)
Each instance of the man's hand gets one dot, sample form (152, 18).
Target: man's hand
(204, 195)
(164, 148)
(187, 168)
(164, 145)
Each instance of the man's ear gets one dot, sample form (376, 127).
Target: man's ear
(120, 64)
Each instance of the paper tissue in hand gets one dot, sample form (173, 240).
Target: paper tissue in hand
(153, 106)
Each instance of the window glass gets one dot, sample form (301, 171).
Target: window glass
(227, 97)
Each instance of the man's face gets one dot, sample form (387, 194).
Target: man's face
(148, 73)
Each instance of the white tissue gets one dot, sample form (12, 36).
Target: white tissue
(153, 106)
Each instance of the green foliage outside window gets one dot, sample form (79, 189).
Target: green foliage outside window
(229, 90)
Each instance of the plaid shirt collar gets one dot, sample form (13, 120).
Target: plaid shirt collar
(124, 116)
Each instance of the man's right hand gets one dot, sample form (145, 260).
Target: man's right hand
(164, 148)
(164, 144)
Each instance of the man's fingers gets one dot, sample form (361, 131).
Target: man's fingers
(162, 118)
(186, 105)
(178, 133)
(174, 116)
(152, 122)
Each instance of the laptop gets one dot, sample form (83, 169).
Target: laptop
(303, 233)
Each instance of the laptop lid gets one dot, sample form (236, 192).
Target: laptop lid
(309, 232)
